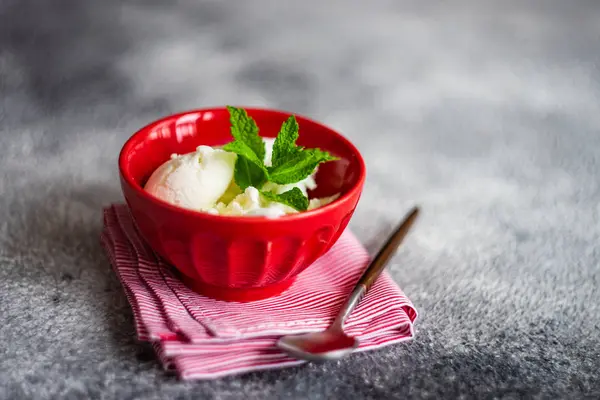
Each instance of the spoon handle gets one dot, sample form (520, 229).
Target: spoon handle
(376, 267)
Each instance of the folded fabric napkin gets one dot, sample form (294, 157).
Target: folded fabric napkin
(203, 338)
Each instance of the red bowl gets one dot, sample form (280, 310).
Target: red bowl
(237, 258)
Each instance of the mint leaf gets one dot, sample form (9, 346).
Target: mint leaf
(242, 149)
(298, 166)
(247, 173)
(293, 198)
(244, 129)
(250, 169)
(285, 143)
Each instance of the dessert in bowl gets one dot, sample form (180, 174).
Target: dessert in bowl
(250, 242)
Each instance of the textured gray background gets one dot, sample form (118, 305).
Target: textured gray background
(485, 113)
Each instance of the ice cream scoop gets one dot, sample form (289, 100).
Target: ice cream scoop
(203, 181)
(195, 180)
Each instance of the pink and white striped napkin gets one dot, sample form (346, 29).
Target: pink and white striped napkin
(202, 338)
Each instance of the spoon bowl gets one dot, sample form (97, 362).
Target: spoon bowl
(318, 346)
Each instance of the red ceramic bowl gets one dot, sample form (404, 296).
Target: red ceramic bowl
(237, 258)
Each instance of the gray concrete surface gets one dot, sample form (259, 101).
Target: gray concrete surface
(486, 113)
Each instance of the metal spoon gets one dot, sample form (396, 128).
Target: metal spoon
(333, 343)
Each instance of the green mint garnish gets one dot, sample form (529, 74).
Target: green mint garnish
(244, 129)
(293, 198)
(246, 173)
(298, 166)
(250, 169)
(285, 142)
(289, 163)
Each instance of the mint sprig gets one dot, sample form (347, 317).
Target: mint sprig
(290, 163)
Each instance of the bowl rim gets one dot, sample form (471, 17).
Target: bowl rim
(356, 189)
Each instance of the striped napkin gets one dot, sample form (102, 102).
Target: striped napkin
(202, 338)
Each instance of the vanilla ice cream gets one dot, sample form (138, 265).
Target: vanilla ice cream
(203, 181)
(195, 180)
